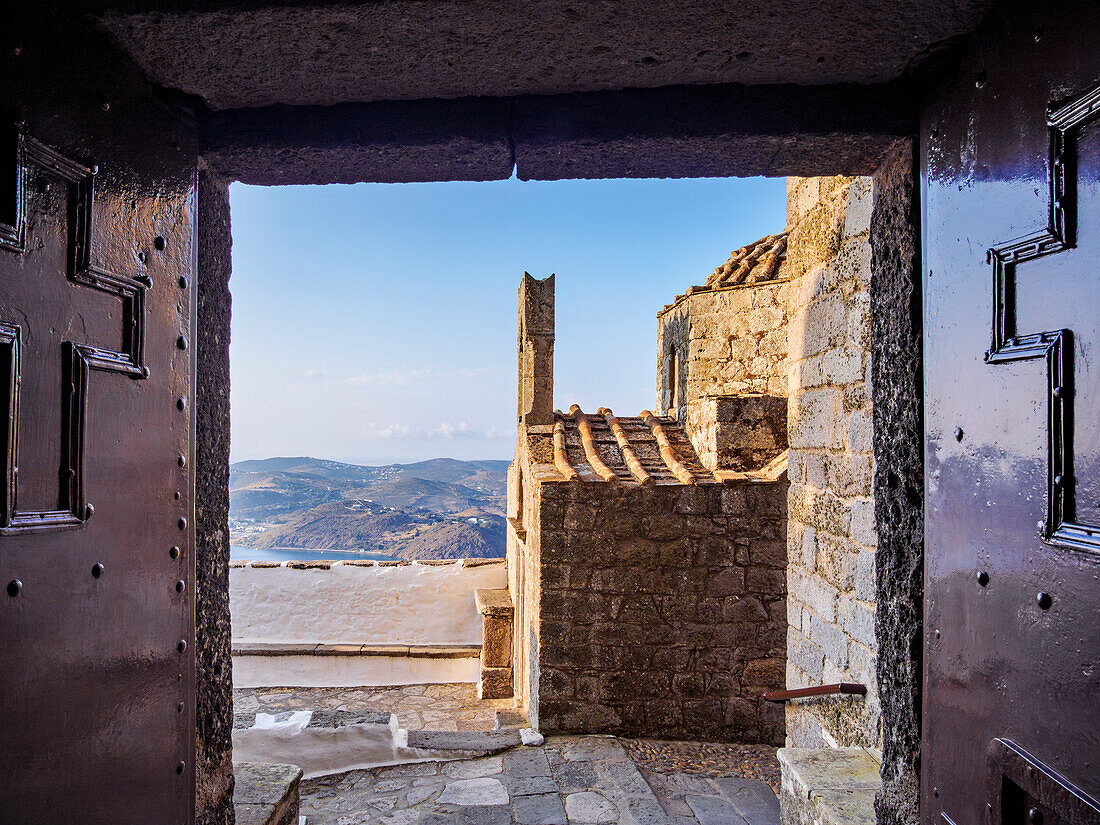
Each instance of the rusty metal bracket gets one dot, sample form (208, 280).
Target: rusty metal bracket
(847, 688)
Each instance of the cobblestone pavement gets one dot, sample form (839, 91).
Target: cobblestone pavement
(710, 759)
(570, 780)
(452, 707)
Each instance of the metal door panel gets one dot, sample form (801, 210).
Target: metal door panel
(96, 550)
(1011, 189)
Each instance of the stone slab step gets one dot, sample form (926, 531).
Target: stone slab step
(829, 786)
(266, 793)
(326, 742)
(463, 743)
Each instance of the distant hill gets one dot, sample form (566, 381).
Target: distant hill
(441, 508)
(437, 496)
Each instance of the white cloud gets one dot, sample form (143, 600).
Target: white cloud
(389, 378)
(395, 430)
(462, 430)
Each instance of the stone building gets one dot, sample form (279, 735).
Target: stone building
(722, 369)
(648, 589)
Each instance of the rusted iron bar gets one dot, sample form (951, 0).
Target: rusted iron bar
(631, 459)
(818, 690)
(561, 459)
(590, 451)
(675, 466)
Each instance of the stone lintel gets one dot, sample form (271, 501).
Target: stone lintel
(670, 131)
(715, 130)
(385, 142)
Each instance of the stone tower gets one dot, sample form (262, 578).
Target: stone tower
(536, 351)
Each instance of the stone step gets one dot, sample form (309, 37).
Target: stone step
(829, 786)
(266, 793)
(326, 742)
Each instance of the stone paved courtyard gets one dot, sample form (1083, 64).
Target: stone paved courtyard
(448, 707)
(581, 780)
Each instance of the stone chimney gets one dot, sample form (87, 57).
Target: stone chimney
(536, 351)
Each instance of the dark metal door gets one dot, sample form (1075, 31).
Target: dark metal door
(96, 603)
(1011, 203)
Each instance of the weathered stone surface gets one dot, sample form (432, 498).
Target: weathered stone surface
(496, 683)
(266, 793)
(496, 645)
(664, 636)
(896, 358)
(590, 808)
(539, 809)
(754, 800)
(221, 52)
(828, 786)
(473, 768)
(213, 668)
(482, 791)
(712, 810)
(832, 533)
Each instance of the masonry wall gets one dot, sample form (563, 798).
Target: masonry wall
(662, 610)
(897, 397)
(213, 668)
(831, 534)
(726, 341)
(721, 344)
(525, 564)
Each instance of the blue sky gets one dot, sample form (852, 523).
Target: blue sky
(376, 323)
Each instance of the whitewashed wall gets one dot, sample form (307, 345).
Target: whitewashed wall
(406, 604)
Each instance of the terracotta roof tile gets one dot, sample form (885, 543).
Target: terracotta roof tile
(642, 449)
(759, 261)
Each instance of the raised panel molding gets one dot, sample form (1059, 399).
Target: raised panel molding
(78, 359)
(1055, 346)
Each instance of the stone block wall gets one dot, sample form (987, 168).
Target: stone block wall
(662, 609)
(729, 341)
(737, 432)
(832, 534)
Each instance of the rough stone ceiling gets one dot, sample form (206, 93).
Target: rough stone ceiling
(255, 55)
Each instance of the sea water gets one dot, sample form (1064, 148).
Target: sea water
(238, 552)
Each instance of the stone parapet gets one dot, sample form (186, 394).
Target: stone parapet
(662, 609)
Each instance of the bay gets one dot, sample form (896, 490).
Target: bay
(239, 552)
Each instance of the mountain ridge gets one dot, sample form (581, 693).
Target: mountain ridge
(434, 509)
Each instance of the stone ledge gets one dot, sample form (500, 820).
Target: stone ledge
(518, 528)
(494, 602)
(770, 473)
(328, 565)
(472, 742)
(699, 290)
(829, 786)
(332, 719)
(400, 651)
(266, 793)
